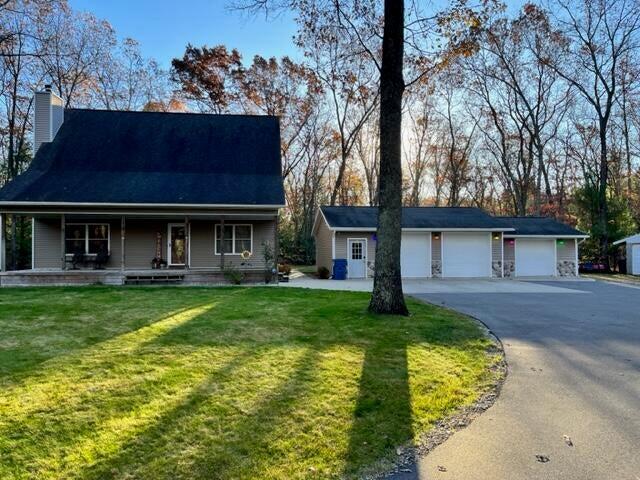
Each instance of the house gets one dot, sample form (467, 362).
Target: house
(450, 242)
(146, 196)
(632, 245)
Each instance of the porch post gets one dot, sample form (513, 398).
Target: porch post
(122, 242)
(63, 236)
(276, 248)
(222, 243)
(187, 243)
(3, 247)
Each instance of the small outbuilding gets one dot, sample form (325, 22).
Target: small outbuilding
(632, 244)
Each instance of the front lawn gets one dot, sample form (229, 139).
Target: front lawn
(273, 383)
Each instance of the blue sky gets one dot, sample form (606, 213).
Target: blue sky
(164, 27)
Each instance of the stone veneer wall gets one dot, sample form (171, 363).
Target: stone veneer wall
(496, 255)
(436, 255)
(566, 258)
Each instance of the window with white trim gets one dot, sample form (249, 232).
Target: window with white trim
(237, 239)
(87, 238)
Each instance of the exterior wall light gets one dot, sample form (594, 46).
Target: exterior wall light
(560, 242)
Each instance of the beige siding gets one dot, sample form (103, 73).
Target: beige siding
(115, 258)
(341, 246)
(509, 251)
(140, 242)
(324, 243)
(48, 116)
(567, 251)
(47, 249)
(509, 257)
(203, 245)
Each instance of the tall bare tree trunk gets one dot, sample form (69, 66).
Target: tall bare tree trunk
(387, 294)
(603, 207)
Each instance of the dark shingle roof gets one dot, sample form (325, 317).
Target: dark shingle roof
(414, 217)
(144, 157)
(539, 226)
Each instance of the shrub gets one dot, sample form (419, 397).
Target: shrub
(284, 268)
(324, 273)
(233, 275)
(269, 257)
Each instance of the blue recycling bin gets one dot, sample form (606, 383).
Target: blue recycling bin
(339, 269)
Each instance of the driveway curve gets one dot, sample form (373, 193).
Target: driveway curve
(570, 408)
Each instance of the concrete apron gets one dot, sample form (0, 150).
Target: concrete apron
(437, 285)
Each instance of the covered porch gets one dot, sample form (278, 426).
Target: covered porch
(85, 247)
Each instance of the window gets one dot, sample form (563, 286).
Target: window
(92, 238)
(356, 251)
(237, 239)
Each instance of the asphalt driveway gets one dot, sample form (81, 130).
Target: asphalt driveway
(573, 391)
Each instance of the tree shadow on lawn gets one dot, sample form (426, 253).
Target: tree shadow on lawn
(243, 447)
(41, 324)
(211, 433)
(381, 410)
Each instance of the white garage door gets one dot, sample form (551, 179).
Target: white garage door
(535, 257)
(466, 254)
(415, 255)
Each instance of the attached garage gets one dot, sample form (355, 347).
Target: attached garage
(415, 255)
(466, 254)
(535, 257)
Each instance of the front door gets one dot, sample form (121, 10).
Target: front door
(177, 247)
(357, 258)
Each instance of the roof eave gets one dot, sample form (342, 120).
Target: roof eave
(555, 235)
(429, 229)
(139, 205)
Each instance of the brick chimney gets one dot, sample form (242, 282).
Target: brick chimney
(48, 117)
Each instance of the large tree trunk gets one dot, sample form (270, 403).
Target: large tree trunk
(603, 207)
(387, 284)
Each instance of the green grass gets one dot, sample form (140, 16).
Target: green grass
(171, 383)
(613, 277)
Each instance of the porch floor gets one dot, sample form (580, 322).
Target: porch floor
(60, 277)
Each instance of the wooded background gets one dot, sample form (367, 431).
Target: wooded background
(528, 113)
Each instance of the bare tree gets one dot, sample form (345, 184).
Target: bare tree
(600, 34)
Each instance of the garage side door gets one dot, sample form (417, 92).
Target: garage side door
(466, 254)
(415, 255)
(535, 257)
